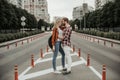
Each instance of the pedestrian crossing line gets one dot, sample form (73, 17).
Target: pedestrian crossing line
(47, 71)
(49, 59)
(25, 71)
(40, 60)
(96, 72)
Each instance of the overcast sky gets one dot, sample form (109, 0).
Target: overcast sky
(65, 7)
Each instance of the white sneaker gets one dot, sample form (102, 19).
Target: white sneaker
(57, 72)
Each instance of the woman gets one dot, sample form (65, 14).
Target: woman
(57, 36)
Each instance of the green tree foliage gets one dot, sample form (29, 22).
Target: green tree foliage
(10, 17)
(105, 18)
(41, 23)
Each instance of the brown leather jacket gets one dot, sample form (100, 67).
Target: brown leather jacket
(54, 36)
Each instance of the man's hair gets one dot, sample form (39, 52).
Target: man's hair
(66, 19)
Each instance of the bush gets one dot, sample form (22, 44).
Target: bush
(12, 36)
(111, 35)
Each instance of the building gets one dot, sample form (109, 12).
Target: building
(79, 11)
(100, 3)
(13, 2)
(39, 8)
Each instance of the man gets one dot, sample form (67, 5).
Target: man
(66, 44)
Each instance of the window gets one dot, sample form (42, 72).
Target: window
(43, 10)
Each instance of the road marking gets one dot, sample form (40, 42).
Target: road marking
(96, 72)
(92, 68)
(39, 61)
(23, 73)
(47, 71)
(49, 59)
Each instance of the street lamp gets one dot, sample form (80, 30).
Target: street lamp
(23, 22)
(84, 12)
(81, 13)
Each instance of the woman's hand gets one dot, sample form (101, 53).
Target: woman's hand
(53, 48)
(61, 38)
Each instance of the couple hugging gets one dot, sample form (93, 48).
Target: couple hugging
(60, 42)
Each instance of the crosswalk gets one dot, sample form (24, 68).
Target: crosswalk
(81, 61)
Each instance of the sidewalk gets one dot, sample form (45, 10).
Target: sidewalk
(43, 70)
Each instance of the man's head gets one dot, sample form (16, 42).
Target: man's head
(65, 20)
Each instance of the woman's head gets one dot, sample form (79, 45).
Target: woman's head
(57, 23)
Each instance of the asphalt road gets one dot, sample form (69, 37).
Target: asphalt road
(99, 55)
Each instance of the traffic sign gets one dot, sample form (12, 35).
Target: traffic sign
(23, 18)
(23, 23)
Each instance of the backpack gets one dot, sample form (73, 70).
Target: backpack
(50, 42)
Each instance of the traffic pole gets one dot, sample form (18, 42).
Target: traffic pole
(79, 52)
(41, 53)
(88, 60)
(104, 72)
(16, 72)
(32, 60)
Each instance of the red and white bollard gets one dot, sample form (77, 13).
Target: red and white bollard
(111, 44)
(93, 39)
(32, 60)
(98, 41)
(79, 52)
(16, 44)
(47, 49)
(22, 42)
(7, 46)
(90, 38)
(41, 53)
(16, 72)
(73, 48)
(104, 72)
(104, 42)
(27, 40)
(88, 60)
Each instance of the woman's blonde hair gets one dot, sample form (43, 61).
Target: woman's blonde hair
(56, 23)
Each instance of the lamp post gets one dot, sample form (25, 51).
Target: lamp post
(81, 13)
(23, 22)
(84, 12)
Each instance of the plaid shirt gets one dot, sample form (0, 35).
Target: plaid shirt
(67, 34)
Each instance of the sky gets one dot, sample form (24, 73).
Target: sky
(64, 8)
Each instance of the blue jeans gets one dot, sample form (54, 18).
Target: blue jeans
(57, 49)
